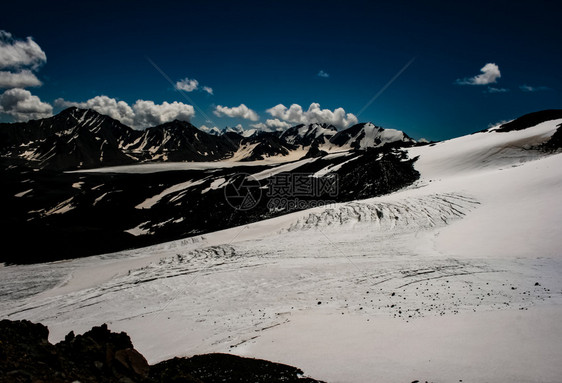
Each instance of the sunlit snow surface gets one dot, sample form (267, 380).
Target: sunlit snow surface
(457, 277)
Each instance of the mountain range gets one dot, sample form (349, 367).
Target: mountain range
(84, 139)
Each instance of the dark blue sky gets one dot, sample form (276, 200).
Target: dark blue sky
(261, 54)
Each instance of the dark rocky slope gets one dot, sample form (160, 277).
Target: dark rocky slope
(531, 119)
(100, 355)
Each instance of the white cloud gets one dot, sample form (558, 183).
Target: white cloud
(147, 113)
(189, 85)
(490, 74)
(23, 106)
(16, 54)
(338, 117)
(323, 74)
(22, 79)
(492, 89)
(140, 115)
(528, 88)
(108, 106)
(19, 58)
(271, 125)
(277, 124)
(241, 111)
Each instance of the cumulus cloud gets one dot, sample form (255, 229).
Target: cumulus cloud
(241, 111)
(277, 124)
(323, 74)
(18, 59)
(22, 79)
(140, 115)
(189, 85)
(271, 125)
(108, 106)
(17, 54)
(147, 113)
(528, 88)
(21, 105)
(295, 113)
(490, 74)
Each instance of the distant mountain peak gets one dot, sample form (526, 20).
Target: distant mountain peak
(176, 124)
(310, 134)
(75, 111)
(368, 135)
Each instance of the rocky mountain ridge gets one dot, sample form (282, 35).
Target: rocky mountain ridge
(84, 139)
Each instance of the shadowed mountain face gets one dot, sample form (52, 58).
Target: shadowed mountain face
(307, 135)
(82, 139)
(368, 135)
(72, 139)
(179, 141)
(530, 119)
(264, 145)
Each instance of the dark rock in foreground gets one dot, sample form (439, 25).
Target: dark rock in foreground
(224, 368)
(100, 355)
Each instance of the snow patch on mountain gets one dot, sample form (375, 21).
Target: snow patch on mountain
(479, 151)
(280, 169)
(21, 194)
(149, 202)
(362, 136)
(216, 184)
(305, 135)
(331, 168)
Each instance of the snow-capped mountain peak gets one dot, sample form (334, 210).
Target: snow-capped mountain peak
(368, 135)
(305, 135)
